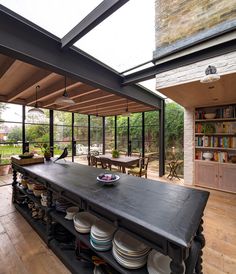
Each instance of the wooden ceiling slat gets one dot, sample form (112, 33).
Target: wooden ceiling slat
(108, 106)
(47, 96)
(97, 103)
(75, 94)
(122, 108)
(33, 81)
(5, 64)
(89, 97)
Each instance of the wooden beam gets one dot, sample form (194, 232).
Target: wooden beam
(74, 93)
(33, 80)
(5, 65)
(97, 103)
(53, 91)
(88, 94)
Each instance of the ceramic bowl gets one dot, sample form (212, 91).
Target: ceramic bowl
(207, 156)
(210, 115)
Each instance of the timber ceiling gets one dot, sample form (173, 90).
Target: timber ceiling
(18, 81)
(196, 94)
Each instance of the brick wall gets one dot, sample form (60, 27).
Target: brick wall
(177, 19)
(225, 64)
(188, 146)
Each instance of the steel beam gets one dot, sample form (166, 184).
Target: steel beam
(95, 17)
(162, 140)
(181, 61)
(43, 50)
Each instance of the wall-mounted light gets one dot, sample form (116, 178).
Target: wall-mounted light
(211, 75)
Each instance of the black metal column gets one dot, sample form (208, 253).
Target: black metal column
(51, 132)
(73, 142)
(23, 130)
(89, 135)
(115, 132)
(143, 134)
(128, 135)
(162, 139)
(103, 135)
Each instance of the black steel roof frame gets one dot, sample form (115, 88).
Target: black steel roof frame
(28, 42)
(214, 50)
(95, 17)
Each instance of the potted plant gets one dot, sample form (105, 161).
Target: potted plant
(46, 151)
(115, 153)
(4, 166)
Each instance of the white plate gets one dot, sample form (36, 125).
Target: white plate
(84, 220)
(109, 181)
(158, 263)
(129, 245)
(102, 229)
(127, 264)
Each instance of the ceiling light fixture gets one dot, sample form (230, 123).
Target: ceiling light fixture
(127, 113)
(211, 75)
(64, 99)
(36, 110)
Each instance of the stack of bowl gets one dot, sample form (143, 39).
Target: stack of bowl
(83, 221)
(101, 235)
(129, 252)
(62, 204)
(71, 211)
(44, 199)
(38, 189)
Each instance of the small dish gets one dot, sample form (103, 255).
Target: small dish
(108, 179)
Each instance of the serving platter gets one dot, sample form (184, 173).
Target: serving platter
(107, 179)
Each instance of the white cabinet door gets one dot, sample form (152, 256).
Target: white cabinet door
(227, 177)
(206, 174)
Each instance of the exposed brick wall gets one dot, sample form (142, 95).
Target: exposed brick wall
(188, 146)
(177, 19)
(225, 64)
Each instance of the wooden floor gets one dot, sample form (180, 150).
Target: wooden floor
(23, 252)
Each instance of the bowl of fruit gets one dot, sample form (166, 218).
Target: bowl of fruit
(108, 178)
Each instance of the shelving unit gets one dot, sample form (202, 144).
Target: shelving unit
(77, 183)
(217, 136)
(107, 256)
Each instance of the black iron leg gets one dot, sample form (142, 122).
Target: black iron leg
(201, 239)
(176, 267)
(49, 218)
(14, 183)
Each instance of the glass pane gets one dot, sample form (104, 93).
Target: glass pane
(110, 133)
(49, 14)
(10, 139)
(10, 112)
(80, 120)
(95, 121)
(62, 118)
(136, 17)
(37, 133)
(36, 119)
(62, 133)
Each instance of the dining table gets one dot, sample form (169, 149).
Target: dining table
(122, 161)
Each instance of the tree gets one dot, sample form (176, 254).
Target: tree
(15, 134)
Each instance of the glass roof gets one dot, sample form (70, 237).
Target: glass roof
(123, 40)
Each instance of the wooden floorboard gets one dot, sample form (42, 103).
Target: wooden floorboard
(23, 251)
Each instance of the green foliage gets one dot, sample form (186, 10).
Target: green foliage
(174, 127)
(115, 153)
(15, 134)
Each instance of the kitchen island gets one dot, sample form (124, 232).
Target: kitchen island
(166, 217)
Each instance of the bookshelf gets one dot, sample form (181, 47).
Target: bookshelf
(216, 135)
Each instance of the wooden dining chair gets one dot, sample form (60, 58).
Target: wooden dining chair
(141, 170)
(106, 164)
(93, 161)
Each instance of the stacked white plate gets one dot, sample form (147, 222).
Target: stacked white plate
(83, 221)
(101, 235)
(129, 252)
(158, 263)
